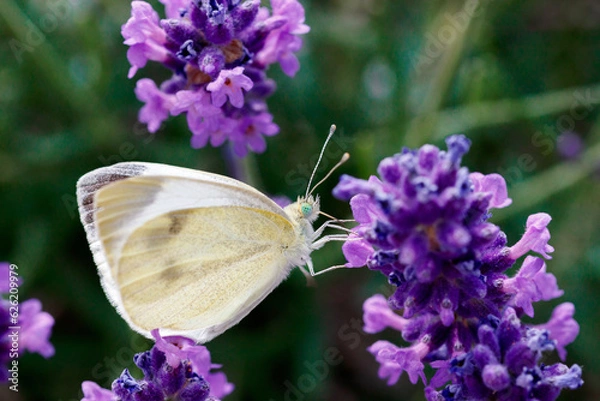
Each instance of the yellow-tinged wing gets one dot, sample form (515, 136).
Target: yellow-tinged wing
(197, 272)
(129, 199)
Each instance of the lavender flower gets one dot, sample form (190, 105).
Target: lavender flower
(23, 324)
(423, 223)
(219, 51)
(569, 145)
(174, 369)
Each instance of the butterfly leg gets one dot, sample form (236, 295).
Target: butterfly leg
(312, 273)
(310, 281)
(323, 240)
(330, 269)
(330, 224)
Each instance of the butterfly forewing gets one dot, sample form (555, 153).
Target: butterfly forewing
(135, 214)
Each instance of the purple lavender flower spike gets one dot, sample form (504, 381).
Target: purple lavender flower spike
(536, 237)
(223, 48)
(423, 223)
(174, 369)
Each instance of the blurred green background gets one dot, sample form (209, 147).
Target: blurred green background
(514, 77)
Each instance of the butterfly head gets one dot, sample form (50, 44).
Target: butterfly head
(306, 208)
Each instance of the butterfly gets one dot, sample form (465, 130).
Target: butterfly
(191, 252)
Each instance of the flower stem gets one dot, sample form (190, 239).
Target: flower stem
(241, 168)
(422, 126)
(485, 114)
(52, 69)
(530, 192)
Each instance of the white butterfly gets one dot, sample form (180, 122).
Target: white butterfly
(191, 252)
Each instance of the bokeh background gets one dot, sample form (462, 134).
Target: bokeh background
(521, 79)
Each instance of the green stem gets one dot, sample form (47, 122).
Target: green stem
(485, 114)
(528, 193)
(242, 168)
(53, 71)
(421, 127)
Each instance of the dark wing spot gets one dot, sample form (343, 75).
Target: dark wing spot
(176, 225)
(170, 275)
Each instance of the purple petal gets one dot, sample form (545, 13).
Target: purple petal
(198, 101)
(562, 327)
(171, 347)
(219, 386)
(173, 7)
(4, 277)
(293, 11)
(393, 361)
(535, 239)
(145, 36)
(547, 285)
(523, 285)
(493, 184)
(289, 64)
(229, 84)
(158, 104)
(211, 61)
(378, 315)
(349, 187)
(281, 42)
(36, 327)
(93, 392)
(562, 376)
(356, 251)
(249, 133)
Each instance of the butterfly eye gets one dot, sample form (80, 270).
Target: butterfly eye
(306, 209)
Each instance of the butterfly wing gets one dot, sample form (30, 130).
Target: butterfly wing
(182, 250)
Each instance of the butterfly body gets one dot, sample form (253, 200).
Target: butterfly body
(186, 251)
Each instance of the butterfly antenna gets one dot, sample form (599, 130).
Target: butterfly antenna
(328, 216)
(331, 131)
(343, 160)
